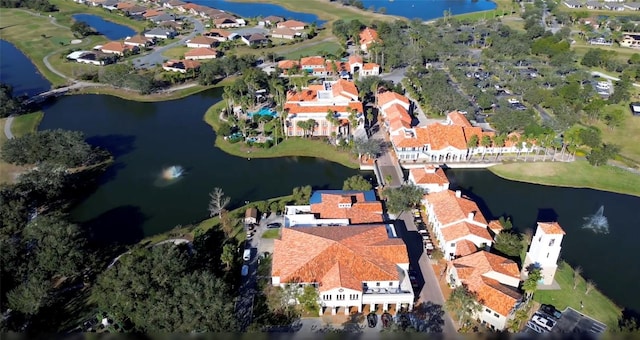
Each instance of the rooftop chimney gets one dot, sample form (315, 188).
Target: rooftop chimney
(458, 193)
(471, 214)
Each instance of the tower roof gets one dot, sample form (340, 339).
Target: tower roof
(551, 228)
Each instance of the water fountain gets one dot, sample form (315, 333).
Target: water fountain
(172, 172)
(597, 222)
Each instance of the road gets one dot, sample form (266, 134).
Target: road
(606, 76)
(155, 57)
(7, 127)
(420, 261)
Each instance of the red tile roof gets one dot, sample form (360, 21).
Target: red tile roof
(368, 36)
(389, 96)
(465, 247)
(118, 46)
(449, 208)
(430, 175)
(551, 228)
(360, 211)
(345, 88)
(287, 64)
(291, 24)
(200, 52)
(337, 256)
(295, 108)
(463, 229)
(312, 61)
(458, 119)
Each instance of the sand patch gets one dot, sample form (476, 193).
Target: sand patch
(76, 41)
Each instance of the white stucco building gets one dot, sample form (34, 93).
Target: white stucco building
(544, 250)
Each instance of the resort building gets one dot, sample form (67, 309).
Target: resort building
(494, 279)
(544, 251)
(332, 107)
(368, 36)
(336, 207)
(351, 266)
(457, 222)
(320, 67)
(430, 178)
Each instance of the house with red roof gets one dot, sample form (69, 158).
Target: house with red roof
(350, 266)
(458, 224)
(334, 106)
(494, 279)
(292, 24)
(181, 66)
(202, 41)
(544, 250)
(336, 207)
(368, 37)
(201, 53)
(430, 178)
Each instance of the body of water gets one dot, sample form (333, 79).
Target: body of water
(109, 29)
(252, 10)
(608, 259)
(19, 72)
(133, 200)
(429, 9)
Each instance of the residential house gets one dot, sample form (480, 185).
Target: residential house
(286, 65)
(118, 48)
(494, 279)
(614, 7)
(251, 216)
(201, 53)
(124, 5)
(351, 266)
(370, 69)
(175, 26)
(631, 41)
(270, 21)
(316, 102)
(634, 6)
(229, 22)
(135, 11)
(544, 251)
(336, 207)
(201, 41)
(173, 4)
(111, 5)
(95, 3)
(160, 33)
(292, 24)
(188, 8)
(255, 39)
(356, 65)
(458, 224)
(164, 17)
(182, 66)
(600, 42)
(150, 13)
(594, 5)
(368, 36)
(91, 57)
(430, 178)
(284, 33)
(139, 41)
(219, 35)
(572, 3)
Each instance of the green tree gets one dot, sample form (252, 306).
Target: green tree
(509, 243)
(81, 29)
(591, 136)
(402, 198)
(464, 304)
(10, 104)
(505, 223)
(301, 195)
(356, 182)
(228, 255)
(309, 299)
(30, 296)
(367, 147)
(530, 285)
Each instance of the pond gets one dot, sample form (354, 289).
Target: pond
(252, 10)
(109, 29)
(429, 9)
(608, 259)
(19, 72)
(133, 200)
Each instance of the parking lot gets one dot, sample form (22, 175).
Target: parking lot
(568, 321)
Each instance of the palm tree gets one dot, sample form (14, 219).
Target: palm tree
(485, 142)
(530, 285)
(472, 143)
(498, 142)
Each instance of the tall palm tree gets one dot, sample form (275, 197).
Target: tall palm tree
(472, 144)
(485, 142)
(498, 142)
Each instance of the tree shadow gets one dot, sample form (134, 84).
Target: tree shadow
(118, 145)
(121, 225)
(484, 208)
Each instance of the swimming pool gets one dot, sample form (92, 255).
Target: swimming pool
(265, 111)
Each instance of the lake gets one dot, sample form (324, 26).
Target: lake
(252, 10)
(133, 201)
(18, 71)
(429, 9)
(608, 259)
(109, 29)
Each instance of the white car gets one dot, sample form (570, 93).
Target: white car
(543, 322)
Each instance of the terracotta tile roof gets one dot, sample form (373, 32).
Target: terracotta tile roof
(273, 19)
(292, 24)
(429, 175)
(355, 59)
(334, 256)
(182, 64)
(312, 61)
(345, 88)
(449, 208)
(190, 6)
(551, 228)
(370, 66)
(360, 212)
(152, 13)
(463, 229)
(218, 33)
(124, 5)
(443, 136)
(397, 123)
(472, 270)
(495, 226)
(389, 96)
(138, 39)
(202, 40)
(287, 64)
(306, 95)
(201, 51)
(415, 139)
(118, 46)
(458, 119)
(397, 111)
(368, 36)
(465, 247)
(295, 108)
(284, 31)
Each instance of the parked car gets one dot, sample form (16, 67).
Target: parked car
(542, 321)
(551, 311)
(246, 255)
(274, 225)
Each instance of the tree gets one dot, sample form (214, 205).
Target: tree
(228, 223)
(530, 285)
(464, 304)
(10, 104)
(217, 202)
(589, 286)
(301, 195)
(228, 255)
(509, 243)
(505, 223)
(309, 299)
(402, 198)
(577, 271)
(485, 142)
(367, 147)
(30, 296)
(356, 182)
(81, 29)
(591, 136)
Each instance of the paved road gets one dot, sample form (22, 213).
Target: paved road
(606, 76)
(155, 57)
(7, 127)
(395, 75)
(420, 261)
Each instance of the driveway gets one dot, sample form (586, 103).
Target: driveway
(155, 57)
(395, 75)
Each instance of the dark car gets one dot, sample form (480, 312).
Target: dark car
(372, 320)
(274, 225)
(551, 311)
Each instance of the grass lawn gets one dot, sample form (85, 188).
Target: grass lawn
(329, 47)
(578, 174)
(289, 147)
(271, 233)
(627, 136)
(68, 8)
(176, 52)
(155, 97)
(582, 47)
(596, 305)
(21, 125)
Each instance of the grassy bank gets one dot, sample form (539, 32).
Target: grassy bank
(578, 174)
(290, 147)
(329, 47)
(21, 125)
(66, 10)
(596, 305)
(503, 7)
(135, 96)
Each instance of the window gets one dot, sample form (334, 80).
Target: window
(377, 284)
(547, 255)
(326, 297)
(340, 297)
(453, 244)
(390, 284)
(353, 296)
(553, 240)
(487, 310)
(496, 315)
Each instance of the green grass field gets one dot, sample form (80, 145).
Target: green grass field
(156, 97)
(329, 47)
(68, 8)
(271, 233)
(596, 305)
(290, 147)
(578, 174)
(176, 52)
(627, 136)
